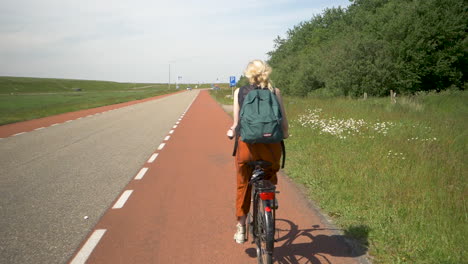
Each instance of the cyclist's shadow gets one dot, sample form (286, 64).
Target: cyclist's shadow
(296, 245)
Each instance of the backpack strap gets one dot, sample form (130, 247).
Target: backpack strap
(283, 148)
(236, 142)
(240, 99)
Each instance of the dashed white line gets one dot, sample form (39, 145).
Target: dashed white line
(167, 138)
(19, 133)
(177, 122)
(140, 174)
(153, 158)
(68, 121)
(39, 128)
(88, 247)
(79, 118)
(122, 200)
(191, 103)
(174, 127)
(161, 146)
(172, 131)
(56, 124)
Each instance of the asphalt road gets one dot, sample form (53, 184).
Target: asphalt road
(52, 178)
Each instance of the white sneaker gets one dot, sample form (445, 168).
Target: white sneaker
(239, 236)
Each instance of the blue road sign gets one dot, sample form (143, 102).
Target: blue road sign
(232, 81)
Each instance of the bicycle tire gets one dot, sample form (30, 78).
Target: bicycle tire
(265, 232)
(249, 226)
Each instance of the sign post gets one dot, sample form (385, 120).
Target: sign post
(232, 83)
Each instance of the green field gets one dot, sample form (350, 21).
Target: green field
(392, 175)
(29, 98)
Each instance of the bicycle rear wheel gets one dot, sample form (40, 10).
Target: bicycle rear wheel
(265, 232)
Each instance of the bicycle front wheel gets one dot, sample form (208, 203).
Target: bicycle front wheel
(265, 232)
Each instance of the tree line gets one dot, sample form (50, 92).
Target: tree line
(374, 46)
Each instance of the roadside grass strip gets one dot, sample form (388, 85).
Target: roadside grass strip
(122, 200)
(140, 174)
(88, 247)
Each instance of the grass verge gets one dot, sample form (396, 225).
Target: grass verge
(29, 98)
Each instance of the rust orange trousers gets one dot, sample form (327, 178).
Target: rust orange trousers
(251, 152)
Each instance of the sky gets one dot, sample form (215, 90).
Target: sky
(144, 40)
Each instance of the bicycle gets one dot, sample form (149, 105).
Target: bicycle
(261, 218)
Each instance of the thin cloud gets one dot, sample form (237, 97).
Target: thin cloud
(137, 40)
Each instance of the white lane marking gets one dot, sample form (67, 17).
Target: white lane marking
(39, 128)
(153, 158)
(167, 138)
(191, 103)
(79, 118)
(174, 127)
(21, 133)
(68, 121)
(180, 119)
(123, 198)
(89, 115)
(88, 247)
(141, 174)
(56, 124)
(177, 122)
(172, 131)
(161, 146)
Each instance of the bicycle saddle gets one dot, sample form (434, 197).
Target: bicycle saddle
(261, 163)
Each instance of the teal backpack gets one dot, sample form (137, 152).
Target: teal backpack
(260, 118)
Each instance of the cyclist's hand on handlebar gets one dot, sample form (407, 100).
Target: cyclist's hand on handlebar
(230, 134)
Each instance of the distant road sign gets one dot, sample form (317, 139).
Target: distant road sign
(232, 81)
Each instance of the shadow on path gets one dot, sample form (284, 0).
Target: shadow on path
(296, 245)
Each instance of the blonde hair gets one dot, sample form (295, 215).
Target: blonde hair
(258, 72)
